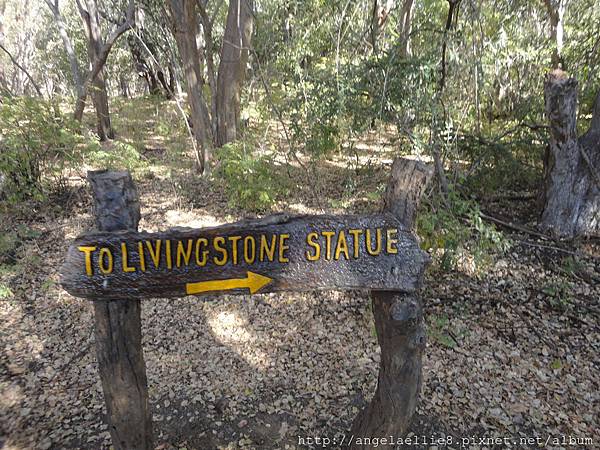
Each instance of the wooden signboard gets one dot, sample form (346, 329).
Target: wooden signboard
(279, 253)
(118, 266)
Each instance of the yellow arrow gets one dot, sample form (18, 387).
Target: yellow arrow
(253, 281)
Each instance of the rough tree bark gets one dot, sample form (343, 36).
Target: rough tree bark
(168, 85)
(118, 325)
(184, 24)
(232, 68)
(399, 324)
(98, 52)
(572, 164)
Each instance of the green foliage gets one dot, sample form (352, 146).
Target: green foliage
(454, 231)
(252, 182)
(36, 143)
(396, 91)
(5, 291)
(514, 160)
(314, 108)
(116, 155)
(556, 364)
(47, 285)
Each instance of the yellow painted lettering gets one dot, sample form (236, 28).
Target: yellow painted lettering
(234, 249)
(218, 243)
(88, 258)
(168, 254)
(310, 240)
(265, 249)
(377, 249)
(154, 252)
(356, 241)
(249, 249)
(199, 242)
(283, 247)
(392, 240)
(342, 246)
(124, 257)
(108, 267)
(184, 253)
(142, 256)
(328, 235)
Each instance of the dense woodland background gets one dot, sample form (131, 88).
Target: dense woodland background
(229, 109)
(291, 83)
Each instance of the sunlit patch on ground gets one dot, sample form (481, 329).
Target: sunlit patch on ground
(231, 330)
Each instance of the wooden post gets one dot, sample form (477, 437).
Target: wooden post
(399, 325)
(118, 325)
(571, 165)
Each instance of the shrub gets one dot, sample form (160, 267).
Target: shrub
(114, 155)
(36, 143)
(251, 181)
(455, 232)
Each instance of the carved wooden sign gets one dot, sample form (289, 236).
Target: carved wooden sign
(279, 253)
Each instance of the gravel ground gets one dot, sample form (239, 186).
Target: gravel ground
(512, 354)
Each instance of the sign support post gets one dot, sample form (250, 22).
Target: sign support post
(399, 324)
(118, 329)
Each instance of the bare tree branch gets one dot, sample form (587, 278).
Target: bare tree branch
(16, 63)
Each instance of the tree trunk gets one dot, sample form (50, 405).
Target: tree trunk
(232, 68)
(556, 11)
(98, 53)
(399, 324)
(100, 100)
(404, 28)
(379, 16)
(22, 69)
(124, 86)
(451, 19)
(207, 27)
(167, 85)
(184, 25)
(572, 184)
(91, 20)
(144, 68)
